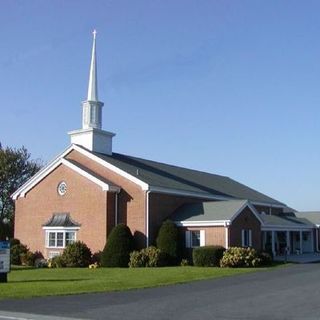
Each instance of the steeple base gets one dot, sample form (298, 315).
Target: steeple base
(93, 139)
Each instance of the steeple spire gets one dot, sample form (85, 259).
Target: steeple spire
(92, 107)
(93, 81)
(91, 136)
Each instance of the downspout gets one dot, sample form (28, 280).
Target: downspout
(226, 239)
(147, 217)
(116, 208)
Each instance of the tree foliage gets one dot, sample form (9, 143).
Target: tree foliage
(116, 252)
(15, 169)
(167, 241)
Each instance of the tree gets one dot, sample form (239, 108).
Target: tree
(116, 252)
(167, 241)
(15, 169)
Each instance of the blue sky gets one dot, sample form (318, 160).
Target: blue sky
(229, 87)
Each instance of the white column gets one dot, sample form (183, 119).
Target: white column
(288, 242)
(301, 243)
(226, 237)
(264, 239)
(273, 243)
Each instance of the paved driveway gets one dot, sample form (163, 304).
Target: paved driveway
(284, 293)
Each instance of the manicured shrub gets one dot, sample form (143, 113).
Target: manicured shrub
(208, 256)
(138, 259)
(116, 252)
(148, 257)
(266, 258)
(14, 241)
(167, 242)
(96, 257)
(28, 259)
(56, 262)
(41, 263)
(184, 263)
(76, 254)
(236, 257)
(16, 251)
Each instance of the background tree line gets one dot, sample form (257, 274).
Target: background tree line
(16, 168)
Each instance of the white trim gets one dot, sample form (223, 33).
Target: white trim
(226, 239)
(52, 166)
(147, 217)
(61, 228)
(102, 184)
(253, 210)
(40, 175)
(202, 238)
(106, 164)
(217, 223)
(56, 230)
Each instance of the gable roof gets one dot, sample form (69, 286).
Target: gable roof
(313, 216)
(168, 177)
(157, 177)
(51, 166)
(208, 211)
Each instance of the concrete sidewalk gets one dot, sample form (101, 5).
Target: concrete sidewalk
(300, 258)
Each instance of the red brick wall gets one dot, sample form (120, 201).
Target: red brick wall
(213, 235)
(245, 220)
(131, 199)
(161, 206)
(85, 201)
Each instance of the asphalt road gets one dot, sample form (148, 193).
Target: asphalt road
(283, 293)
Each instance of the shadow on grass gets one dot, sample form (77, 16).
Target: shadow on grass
(48, 280)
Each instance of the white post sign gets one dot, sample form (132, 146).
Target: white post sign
(4, 256)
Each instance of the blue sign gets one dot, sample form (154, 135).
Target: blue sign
(4, 245)
(4, 256)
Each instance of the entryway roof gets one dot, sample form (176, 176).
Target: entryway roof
(285, 221)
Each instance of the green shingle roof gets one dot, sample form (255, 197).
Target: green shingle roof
(286, 221)
(208, 211)
(313, 216)
(167, 176)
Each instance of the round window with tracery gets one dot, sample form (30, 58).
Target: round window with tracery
(62, 188)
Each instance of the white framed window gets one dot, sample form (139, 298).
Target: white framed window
(246, 237)
(59, 238)
(195, 238)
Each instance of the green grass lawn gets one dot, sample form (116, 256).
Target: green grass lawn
(23, 283)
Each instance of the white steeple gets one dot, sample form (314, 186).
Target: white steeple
(93, 81)
(91, 136)
(92, 107)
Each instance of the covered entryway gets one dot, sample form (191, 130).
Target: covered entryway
(285, 235)
(286, 242)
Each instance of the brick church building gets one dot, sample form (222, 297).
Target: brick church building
(88, 189)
